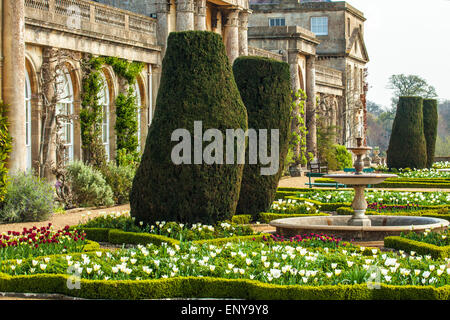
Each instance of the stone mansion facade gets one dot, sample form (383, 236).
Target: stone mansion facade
(326, 58)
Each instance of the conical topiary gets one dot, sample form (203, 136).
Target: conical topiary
(265, 88)
(197, 85)
(407, 145)
(430, 126)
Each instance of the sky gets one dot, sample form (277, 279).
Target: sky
(409, 37)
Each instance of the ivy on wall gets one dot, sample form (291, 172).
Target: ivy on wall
(126, 127)
(5, 149)
(91, 113)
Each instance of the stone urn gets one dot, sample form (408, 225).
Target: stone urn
(376, 159)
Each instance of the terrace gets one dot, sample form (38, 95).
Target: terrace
(91, 27)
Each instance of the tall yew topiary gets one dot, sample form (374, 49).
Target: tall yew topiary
(265, 89)
(407, 145)
(197, 84)
(430, 125)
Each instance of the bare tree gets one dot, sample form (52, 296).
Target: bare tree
(54, 72)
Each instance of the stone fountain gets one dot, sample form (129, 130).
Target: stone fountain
(359, 181)
(359, 226)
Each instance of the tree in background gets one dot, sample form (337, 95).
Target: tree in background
(410, 86)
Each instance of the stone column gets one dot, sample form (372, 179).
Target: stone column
(243, 37)
(201, 15)
(185, 15)
(231, 34)
(311, 139)
(162, 30)
(217, 22)
(13, 29)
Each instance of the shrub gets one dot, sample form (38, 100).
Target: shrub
(343, 157)
(197, 84)
(264, 85)
(120, 179)
(407, 145)
(28, 199)
(89, 188)
(430, 123)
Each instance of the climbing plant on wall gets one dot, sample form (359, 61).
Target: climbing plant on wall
(127, 125)
(92, 112)
(5, 149)
(126, 109)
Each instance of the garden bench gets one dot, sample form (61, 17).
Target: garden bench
(318, 167)
(321, 184)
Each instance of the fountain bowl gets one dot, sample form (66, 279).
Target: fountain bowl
(360, 179)
(381, 226)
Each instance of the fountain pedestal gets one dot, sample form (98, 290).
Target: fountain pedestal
(359, 206)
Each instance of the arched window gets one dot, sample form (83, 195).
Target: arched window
(28, 119)
(64, 107)
(137, 91)
(104, 102)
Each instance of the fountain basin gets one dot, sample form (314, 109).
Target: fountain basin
(360, 179)
(381, 226)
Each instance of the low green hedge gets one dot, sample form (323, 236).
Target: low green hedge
(421, 248)
(242, 219)
(116, 236)
(91, 246)
(281, 195)
(344, 211)
(208, 287)
(267, 217)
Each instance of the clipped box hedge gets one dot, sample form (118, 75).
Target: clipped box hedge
(267, 217)
(116, 236)
(242, 219)
(421, 248)
(208, 287)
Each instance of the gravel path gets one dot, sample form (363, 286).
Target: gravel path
(59, 221)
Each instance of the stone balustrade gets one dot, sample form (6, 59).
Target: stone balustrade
(88, 12)
(91, 27)
(253, 51)
(328, 76)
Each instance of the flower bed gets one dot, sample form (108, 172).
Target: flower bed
(441, 165)
(293, 263)
(413, 247)
(379, 196)
(434, 238)
(292, 206)
(122, 221)
(40, 242)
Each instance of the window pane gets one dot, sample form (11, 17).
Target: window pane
(319, 25)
